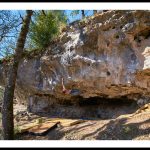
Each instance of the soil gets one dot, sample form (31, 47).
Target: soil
(136, 128)
(124, 127)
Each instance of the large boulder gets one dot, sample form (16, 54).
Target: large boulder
(106, 55)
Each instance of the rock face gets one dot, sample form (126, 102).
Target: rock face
(105, 56)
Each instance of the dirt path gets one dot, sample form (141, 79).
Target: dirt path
(125, 128)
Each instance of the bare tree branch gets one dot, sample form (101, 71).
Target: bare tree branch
(21, 17)
(43, 12)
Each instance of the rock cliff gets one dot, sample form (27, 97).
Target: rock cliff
(104, 56)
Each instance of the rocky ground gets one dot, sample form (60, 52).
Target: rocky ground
(124, 127)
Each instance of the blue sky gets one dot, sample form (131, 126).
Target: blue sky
(67, 12)
(77, 17)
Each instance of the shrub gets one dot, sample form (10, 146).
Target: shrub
(45, 27)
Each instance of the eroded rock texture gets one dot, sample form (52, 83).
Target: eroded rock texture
(107, 55)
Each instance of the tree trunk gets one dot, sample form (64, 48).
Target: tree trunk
(105, 10)
(7, 107)
(43, 12)
(83, 15)
(95, 11)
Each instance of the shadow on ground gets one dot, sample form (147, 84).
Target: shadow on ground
(120, 129)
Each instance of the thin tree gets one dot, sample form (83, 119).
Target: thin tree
(7, 106)
(94, 11)
(9, 23)
(105, 10)
(83, 14)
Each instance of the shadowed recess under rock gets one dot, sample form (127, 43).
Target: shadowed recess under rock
(86, 108)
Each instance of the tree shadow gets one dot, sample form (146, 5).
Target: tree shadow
(119, 130)
(58, 134)
(114, 129)
(109, 129)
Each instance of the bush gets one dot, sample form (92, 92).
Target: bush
(46, 26)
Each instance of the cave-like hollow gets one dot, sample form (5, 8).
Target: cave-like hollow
(107, 108)
(94, 108)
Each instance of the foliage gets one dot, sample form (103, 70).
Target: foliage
(81, 13)
(75, 12)
(46, 26)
